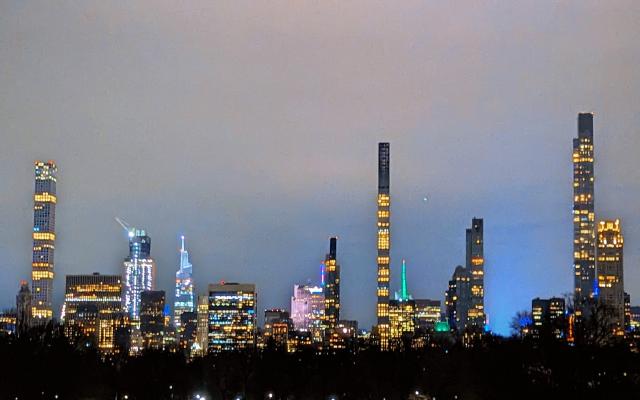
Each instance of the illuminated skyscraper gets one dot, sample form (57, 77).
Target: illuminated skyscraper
(475, 268)
(427, 314)
(139, 270)
(383, 245)
(332, 286)
(202, 330)
(610, 270)
(184, 288)
(584, 225)
(232, 317)
(44, 236)
(93, 308)
(547, 317)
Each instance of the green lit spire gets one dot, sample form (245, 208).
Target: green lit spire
(404, 295)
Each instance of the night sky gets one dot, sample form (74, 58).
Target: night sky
(252, 127)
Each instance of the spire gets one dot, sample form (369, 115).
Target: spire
(182, 238)
(404, 294)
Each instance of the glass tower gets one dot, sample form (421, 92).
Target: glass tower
(232, 317)
(584, 226)
(44, 224)
(384, 244)
(139, 271)
(184, 301)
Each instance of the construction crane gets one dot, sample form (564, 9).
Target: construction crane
(125, 225)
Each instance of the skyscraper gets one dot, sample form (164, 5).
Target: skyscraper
(475, 268)
(92, 308)
(584, 225)
(610, 270)
(332, 286)
(139, 270)
(44, 236)
(232, 317)
(383, 245)
(184, 288)
(23, 308)
(547, 317)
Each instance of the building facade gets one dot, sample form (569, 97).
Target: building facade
(584, 222)
(92, 309)
(44, 236)
(232, 317)
(383, 246)
(458, 299)
(332, 286)
(428, 313)
(184, 300)
(307, 307)
(547, 317)
(610, 270)
(152, 318)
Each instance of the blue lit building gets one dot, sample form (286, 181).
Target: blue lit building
(184, 301)
(139, 270)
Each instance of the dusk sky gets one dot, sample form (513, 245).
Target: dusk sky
(252, 128)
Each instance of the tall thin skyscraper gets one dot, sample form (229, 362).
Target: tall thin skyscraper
(184, 301)
(332, 286)
(44, 236)
(610, 270)
(139, 270)
(475, 268)
(384, 245)
(584, 225)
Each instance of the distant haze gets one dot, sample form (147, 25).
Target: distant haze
(251, 127)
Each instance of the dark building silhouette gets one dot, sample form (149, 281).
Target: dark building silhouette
(152, 325)
(23, 308)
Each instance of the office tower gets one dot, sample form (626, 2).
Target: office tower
(277, 325)
(307, 307)
(634, 314)
(44, 236)
(475, 268)
(384, 245)
(92, 308)
(139, 270)
(547, 316)
(627, 312)
(152, 321)
(584, 225)
(232, 317)
(427, 314)
(23, 308)
(202, 330)
(610, 270)
(458, 298)
(184, 301)
(331, 286)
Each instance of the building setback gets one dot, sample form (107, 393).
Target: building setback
(44, 236)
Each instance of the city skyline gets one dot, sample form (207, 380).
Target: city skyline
(240, 195)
